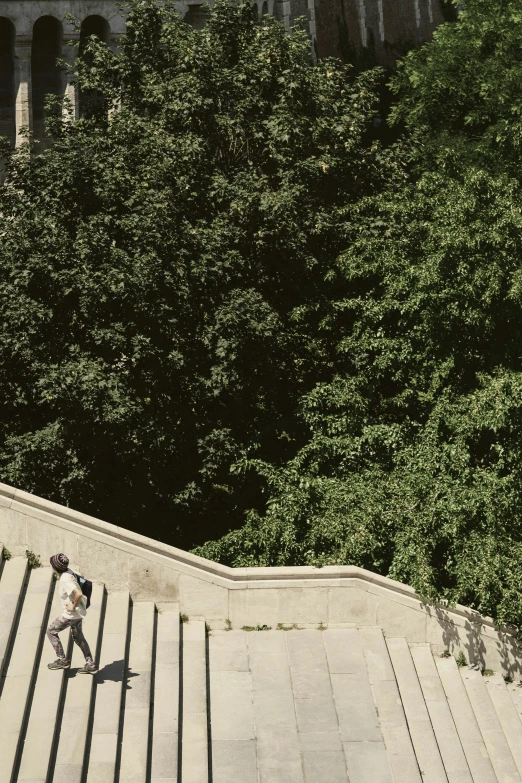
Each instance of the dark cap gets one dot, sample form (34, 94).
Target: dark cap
(60, 563)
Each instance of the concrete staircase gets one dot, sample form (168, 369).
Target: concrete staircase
(176, 703)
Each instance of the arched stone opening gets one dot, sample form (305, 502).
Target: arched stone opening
(7, 88)
(196, 16)
(94, 25)
(264, 11)
(92, 101)
(46, 75)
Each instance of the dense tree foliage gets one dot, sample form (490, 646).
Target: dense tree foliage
(413, 465)
(461, 93)
(162, 268)
(225, 295)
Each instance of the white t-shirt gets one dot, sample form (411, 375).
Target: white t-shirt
(67, 584)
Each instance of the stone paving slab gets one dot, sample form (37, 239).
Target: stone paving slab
(19, 672)
(231, 706)
(315, 707)
(345, 652)
(231, 709)
(358, 721)
(325, 766)
(228, 651)
(278, 749)
(234, 760)
(363, 744)
(268, 660)
(308, 666)
(367, 762)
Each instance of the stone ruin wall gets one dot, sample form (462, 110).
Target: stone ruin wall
(374, 31)
(34, 34)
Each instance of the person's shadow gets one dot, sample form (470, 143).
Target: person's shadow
(112, 672)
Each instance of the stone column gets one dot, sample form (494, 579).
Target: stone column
(70, 90)
(312, 26)
(22, 78)
(114, 44)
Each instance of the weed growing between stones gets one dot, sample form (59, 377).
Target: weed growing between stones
(33, 560)
(461, 660)
(6, 554)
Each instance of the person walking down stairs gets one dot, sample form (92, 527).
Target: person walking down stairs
(73, 611)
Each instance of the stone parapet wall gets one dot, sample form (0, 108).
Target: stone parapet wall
(340, 596)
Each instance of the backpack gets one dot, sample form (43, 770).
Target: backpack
(85, 586)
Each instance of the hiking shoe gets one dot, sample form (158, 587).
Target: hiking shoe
(89, 668)
(60, 663)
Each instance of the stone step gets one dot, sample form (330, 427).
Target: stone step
(194, 735)
(19, 674)
(465, 721)
(419, 723)
(507, 714)
(515, 691)
(361, 734)
(11, 591)
(490, 728)
(450, 748)
(70, 736)
(394, 727)
(164, 763)
(342, 705)
(136, 718)
(110, 681)
(36, 753)
(278, 750)
(231, 708)
(320, 740)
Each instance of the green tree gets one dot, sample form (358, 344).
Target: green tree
(460, 94)
(413, 464)
(163, 267)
